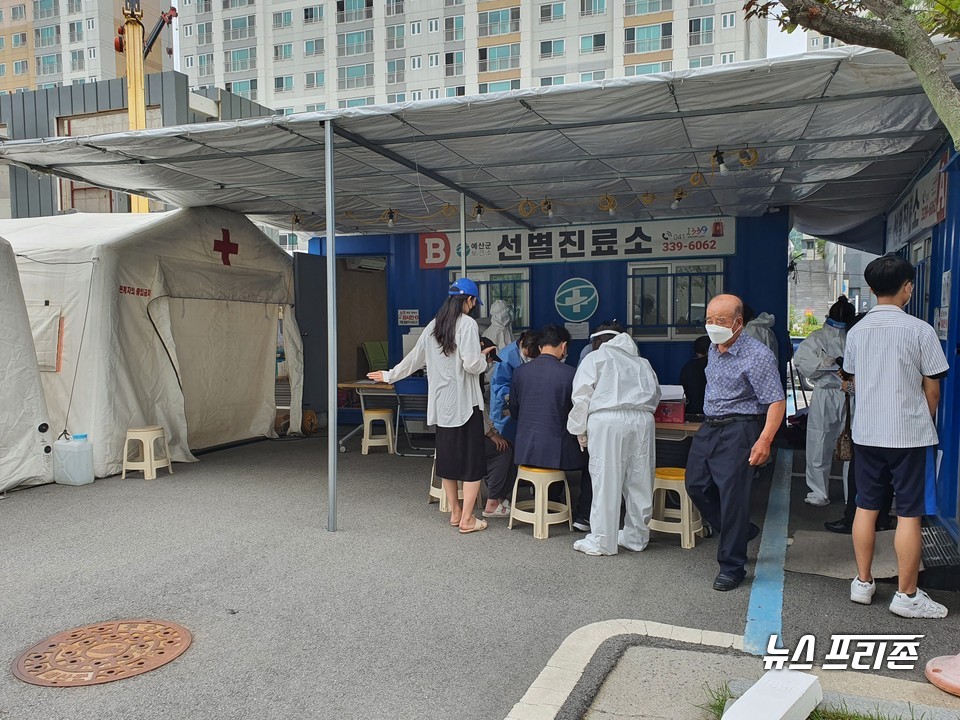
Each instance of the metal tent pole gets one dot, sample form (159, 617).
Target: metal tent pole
(463, 236)
(331, 330)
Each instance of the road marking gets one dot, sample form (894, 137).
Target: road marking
(765, 612)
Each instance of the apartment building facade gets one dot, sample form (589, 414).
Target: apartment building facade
(816, 41)
(303, 56)
(51, 43)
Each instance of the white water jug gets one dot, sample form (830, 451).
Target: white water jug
(73, 461)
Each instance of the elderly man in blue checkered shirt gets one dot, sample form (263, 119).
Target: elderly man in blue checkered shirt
(743, 406)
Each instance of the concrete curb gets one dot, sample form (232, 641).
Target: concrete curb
(548, 696)
(854, 703)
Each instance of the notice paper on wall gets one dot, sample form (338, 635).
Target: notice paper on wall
(578, 331)
(408, 317)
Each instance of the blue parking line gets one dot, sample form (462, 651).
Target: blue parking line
(765, 612)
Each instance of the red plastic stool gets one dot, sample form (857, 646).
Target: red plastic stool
(944, 672)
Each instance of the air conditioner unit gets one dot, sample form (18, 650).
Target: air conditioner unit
(367, 264)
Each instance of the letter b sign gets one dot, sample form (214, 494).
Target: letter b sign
(434, 250)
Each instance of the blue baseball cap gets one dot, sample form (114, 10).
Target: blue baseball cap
(465, 286)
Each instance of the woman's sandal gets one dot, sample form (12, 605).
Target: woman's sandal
(477, 527)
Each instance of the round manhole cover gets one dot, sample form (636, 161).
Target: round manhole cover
(102, 653)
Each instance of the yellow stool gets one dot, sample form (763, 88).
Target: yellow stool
(369, 439)
(544, 512)
(146, 458)
(685, 522)
(437, 492)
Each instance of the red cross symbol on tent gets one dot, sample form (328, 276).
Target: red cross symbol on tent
(225, 247)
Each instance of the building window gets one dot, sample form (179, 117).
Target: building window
(204, 6)
(313, 47)
(433, 60)
(355, 102)
(452, 3)
(648, 38)
(228, 4)
(240, 60)
(316, 107)
(416, 62)
(188, 61)
(595, 75)
(701, 31)
(3, 73)
(283, 52)
(77, 60)
(728, 20)
(512, 286)
(701, 3)
(186, 30)
(416, 28)
(552, 12)
(815, 41)
(75, 30)
(501, 86)
(433, 93)
(395, 37)
(727, 58)
(701, 61)
(243, 88)
(47, 36)
(312, 14)
(396, 71)
(354, 43)
(20, 67)
(43, 9)
(18, 12)
(593, 43)
(19, 40)
(393, 98)
(648, 68)
(669, 300)
(416, 95)
(394, 7)
(313, 80)
(353, 10)
(592, 7)
(205, 65)
(240, 28)
(453, 63)
(552, 48)
(551, 80)
(456, 91)
(205, 33)
(355, 76)
(453, 28)
(433, 25)
(499, 22)
(91, 53)
(49, 65)
(282, 19)
(91, 23)
(499, 57)
(283, 83)
(633, 8)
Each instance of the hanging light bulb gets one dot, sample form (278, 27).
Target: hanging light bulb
(391, 218)
(678, 195)
(547, 207)
(675, 205)
(721, 165)
(477, 211)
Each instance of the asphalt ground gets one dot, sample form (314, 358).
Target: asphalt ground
(395, 615)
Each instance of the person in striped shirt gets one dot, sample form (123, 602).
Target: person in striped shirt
(897, 362)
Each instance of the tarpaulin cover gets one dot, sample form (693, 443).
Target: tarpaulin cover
(839, 134)
(24, 456)
(166, 319)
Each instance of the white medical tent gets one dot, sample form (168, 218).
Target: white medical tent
(24, 438)
(159, 319)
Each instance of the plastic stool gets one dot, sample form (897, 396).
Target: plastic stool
(369, 439)
(685, 522)
(146, 458)
(437, 492)
(544, 512)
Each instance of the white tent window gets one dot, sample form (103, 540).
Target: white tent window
(46, 324)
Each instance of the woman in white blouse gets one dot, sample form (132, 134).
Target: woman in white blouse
(449, 347)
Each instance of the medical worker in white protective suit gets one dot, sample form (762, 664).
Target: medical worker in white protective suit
(615, 393)
(819, 359)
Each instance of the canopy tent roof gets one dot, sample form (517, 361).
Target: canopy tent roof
(838, 133)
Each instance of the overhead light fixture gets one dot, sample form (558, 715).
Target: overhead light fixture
(609, 203)
(547, 207)
(748, 157)
(721, 165)
(678, 195)
(477, 211)
(391, 217)
(648, 198)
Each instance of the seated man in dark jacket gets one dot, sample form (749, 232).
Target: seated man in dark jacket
(540, 400)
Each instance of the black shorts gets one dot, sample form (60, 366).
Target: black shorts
(461, 454)
(877, 468)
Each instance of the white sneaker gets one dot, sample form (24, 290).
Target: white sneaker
(861, 592)
(816, 501)
(587, 547)
(919, 606)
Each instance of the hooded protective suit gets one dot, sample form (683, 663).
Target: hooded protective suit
(816, 361)
(615, 393)
(761, 328)
(500, 331)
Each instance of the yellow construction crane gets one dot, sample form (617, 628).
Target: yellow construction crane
(130, 38)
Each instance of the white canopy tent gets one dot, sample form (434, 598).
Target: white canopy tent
(834, 137)
(163, 319)
(25, 442)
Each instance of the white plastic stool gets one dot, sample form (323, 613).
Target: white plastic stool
(685, 521)
(369, 439)
(544, 512)
(146, 458)
(437, 492)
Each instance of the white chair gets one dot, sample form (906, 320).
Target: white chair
(146, 458)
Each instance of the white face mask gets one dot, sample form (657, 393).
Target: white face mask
(719, 334)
